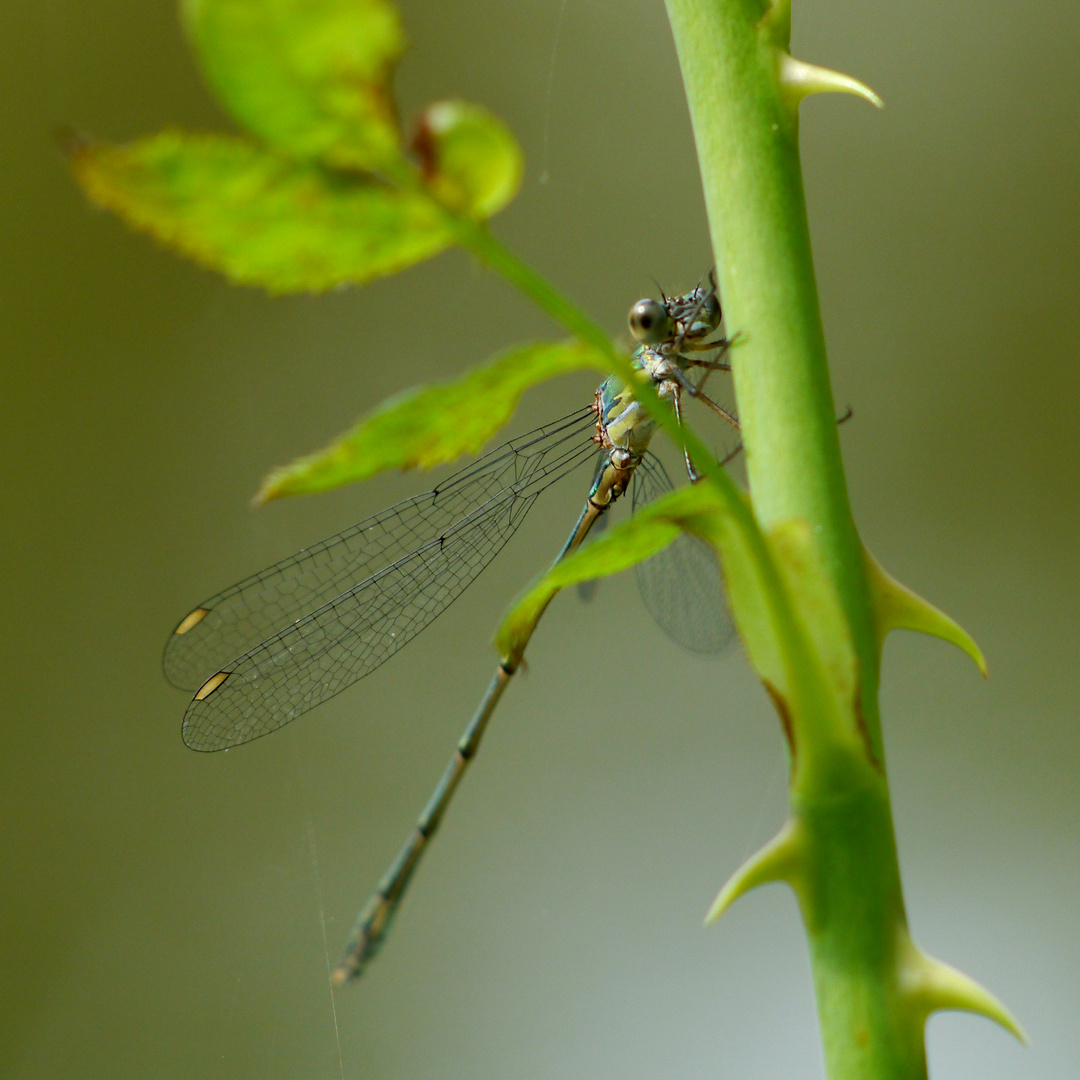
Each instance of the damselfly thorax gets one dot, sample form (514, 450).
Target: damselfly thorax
(669, 332)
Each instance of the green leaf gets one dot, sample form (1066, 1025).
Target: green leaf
(783, 605)
(310, 77)
(753, 603)
(429, 425)
(627, 544)
(472, 163)
(258, 218)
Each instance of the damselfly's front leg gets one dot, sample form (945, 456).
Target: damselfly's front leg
(676, 401)
(708, 365)
(696, 393)
(723, 344)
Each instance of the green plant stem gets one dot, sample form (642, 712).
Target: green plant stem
(852, 906)
(747, 138)
(848, 884)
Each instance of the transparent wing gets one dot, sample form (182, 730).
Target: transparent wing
(281, 641)
(681, 585)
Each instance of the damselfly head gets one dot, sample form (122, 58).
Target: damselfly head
(690, 317)
(650, 322)
(697, 314)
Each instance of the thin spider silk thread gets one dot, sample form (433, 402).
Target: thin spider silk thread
(305, 787)
(546, 143)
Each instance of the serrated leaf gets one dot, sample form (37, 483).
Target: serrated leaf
(259, 218)
(625, 545)
(429, 425)
(310, 77)
(470, 158)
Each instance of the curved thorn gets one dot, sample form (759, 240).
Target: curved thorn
(800, 79)
(933, 986)
(898, 608)
(778, 860)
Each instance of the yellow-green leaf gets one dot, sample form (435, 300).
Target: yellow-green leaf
(429, 425)
(260, 218)
(470, 158)
(627, 544)
(310, 77)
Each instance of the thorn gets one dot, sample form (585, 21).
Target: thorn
(778, 860)
(898, 608)
(267, 492)
(801, 79)
(933, 986)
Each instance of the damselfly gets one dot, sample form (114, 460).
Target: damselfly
(282, 641)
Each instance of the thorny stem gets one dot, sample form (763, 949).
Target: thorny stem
(848, 882)
(874, 988)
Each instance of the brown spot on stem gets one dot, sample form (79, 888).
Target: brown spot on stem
(785, 715)
(860, 723)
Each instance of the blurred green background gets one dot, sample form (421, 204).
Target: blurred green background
(168, 914)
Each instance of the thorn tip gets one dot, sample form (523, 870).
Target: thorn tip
(899, 608)
(801, 79)
(778, 860)
(935, 986)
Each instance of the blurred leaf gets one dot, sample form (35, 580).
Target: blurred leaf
(429, 425)
(323, 196)
(257, 217)
(627, 544)
(310, 77)
(471, 160)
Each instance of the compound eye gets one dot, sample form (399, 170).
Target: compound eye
(710, 312)
(650, 322)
